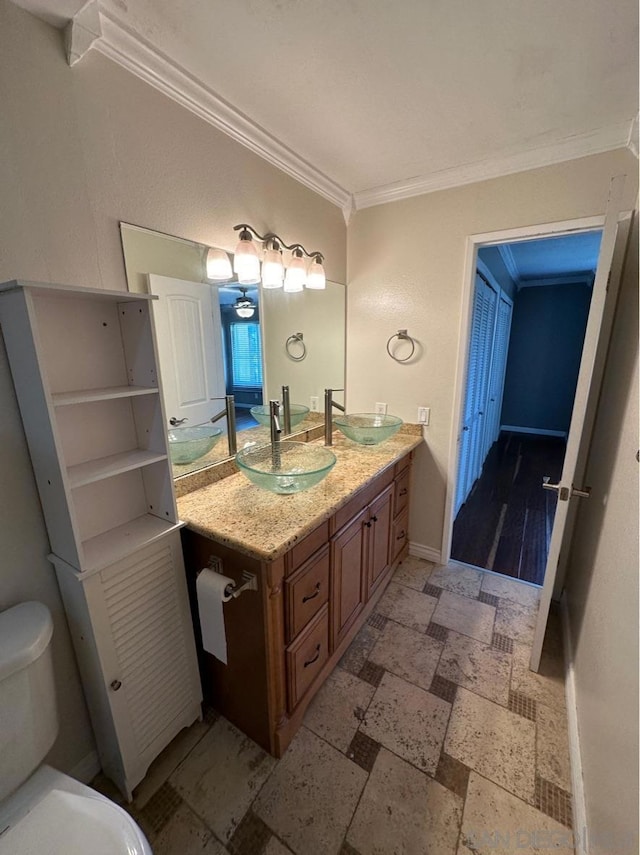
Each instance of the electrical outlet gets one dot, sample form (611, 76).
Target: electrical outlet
(381, 409)
(313, 403)
(424, 414)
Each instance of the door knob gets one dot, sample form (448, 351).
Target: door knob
(174, 421)
(564, 493)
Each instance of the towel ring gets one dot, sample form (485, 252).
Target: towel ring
(402, 335)
(296, 338)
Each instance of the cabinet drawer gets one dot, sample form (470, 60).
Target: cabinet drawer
(399, 535)
(307, 656)
(403, 463)
(299, 553)
(306, 592)
(401, 493)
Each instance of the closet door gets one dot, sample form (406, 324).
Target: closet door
(489, 300)
(466, 445)
(498, 369)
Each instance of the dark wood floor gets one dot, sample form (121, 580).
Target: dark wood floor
(505, 524)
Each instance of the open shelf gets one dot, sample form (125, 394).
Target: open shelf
(115, 464)
(107, 548)
(83, 396)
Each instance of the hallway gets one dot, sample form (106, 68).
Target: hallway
(505, 524)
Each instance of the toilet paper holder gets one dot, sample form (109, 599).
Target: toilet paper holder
(249, 581)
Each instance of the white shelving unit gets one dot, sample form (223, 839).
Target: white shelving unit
(84, 365)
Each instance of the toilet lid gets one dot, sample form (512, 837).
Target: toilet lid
(64, 823)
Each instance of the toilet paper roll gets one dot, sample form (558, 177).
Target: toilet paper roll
(210, 592)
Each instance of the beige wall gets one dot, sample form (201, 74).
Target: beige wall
(81, 149)
(405, 269)
(602, 589)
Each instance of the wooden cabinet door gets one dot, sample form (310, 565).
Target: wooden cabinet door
(348, 555)
(378, 530)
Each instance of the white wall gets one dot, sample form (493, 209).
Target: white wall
(405, 269)
(602, 590)
(81, 149)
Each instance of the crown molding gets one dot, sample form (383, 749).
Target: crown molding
(580, 145)
(509, 262)
(128, 49)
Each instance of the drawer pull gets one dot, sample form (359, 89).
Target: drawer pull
(403, 492)
(315, 658)
(368, 523)
(314, 595)
(374, 519)
(401, 536)
(115, 685)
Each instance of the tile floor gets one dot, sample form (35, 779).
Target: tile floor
(431, 737)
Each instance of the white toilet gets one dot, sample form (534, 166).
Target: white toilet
(42, 811)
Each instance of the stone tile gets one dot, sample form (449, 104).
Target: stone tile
(497, 823)
(160, 809)
(407, 653)
(371, 673)
(408, 721)
(476, 666)
(275, 847)
(311, 796)
(221, 777)
(546, 686)
(554, 801)
(552, 747)
(440, 633)
(377, 621)
(408, 607)
(522, 705)
(167, 762)
(250, 837)
(332, 713)
(401, 810)
(358, 651)
(187, 835)
(444, 689)
(516, 621)
(363, 751)
(453, 775)
(501, 642)
(511, 589)
(466, 616)
(460, 580)
(494, 742)
(413, 572)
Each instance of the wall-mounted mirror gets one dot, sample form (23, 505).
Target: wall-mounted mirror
(219, 339)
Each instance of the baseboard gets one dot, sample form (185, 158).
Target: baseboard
(538, 431)
(577, 783)
(426, 552)
(87, 768)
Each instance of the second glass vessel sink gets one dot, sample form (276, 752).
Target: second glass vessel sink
(187, 444)
(285, 467)
(262, 416)
(368, 428)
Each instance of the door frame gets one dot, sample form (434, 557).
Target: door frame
(473, 244)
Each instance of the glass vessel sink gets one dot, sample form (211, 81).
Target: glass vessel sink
(187, 444)
(261, 414)
(285, 467)
(368, 428)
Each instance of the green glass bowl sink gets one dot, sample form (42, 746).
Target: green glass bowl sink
(262, 416)
(187, 444)
(286, 467)
(368, 428)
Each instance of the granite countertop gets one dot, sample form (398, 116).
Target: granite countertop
(265, 525)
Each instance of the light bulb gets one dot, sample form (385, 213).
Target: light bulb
(246, 260)
(296, 275)
(272, 268)
(218, 265)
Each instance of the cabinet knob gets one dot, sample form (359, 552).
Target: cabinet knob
(368, 523)
(403, 492)
(401, 536)
(374, 519)
(115, 685)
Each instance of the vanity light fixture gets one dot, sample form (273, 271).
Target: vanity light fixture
(218, 265)
(247, 262)
(244, 306)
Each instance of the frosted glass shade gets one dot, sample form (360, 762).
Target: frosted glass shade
(316, 279)
(246, 262)
(296, 275)
(218, 265)
(272, 269)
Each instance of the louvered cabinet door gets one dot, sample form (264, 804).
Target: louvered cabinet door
(142, 628)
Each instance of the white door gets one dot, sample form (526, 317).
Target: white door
(189, 349)
(498, 371)
(580, 428)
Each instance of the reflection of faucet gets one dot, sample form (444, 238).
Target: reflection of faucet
(329, 404)
(286, 410)
(230, 412)
(274, 418)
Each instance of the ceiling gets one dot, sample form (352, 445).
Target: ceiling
(371, 100)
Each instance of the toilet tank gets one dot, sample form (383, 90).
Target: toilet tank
(28, 713)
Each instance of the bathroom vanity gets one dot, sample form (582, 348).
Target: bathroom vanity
(322, 559)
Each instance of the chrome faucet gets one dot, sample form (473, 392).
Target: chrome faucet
(274, 419)
(329, 404)
(286, 410)
(230, 412)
